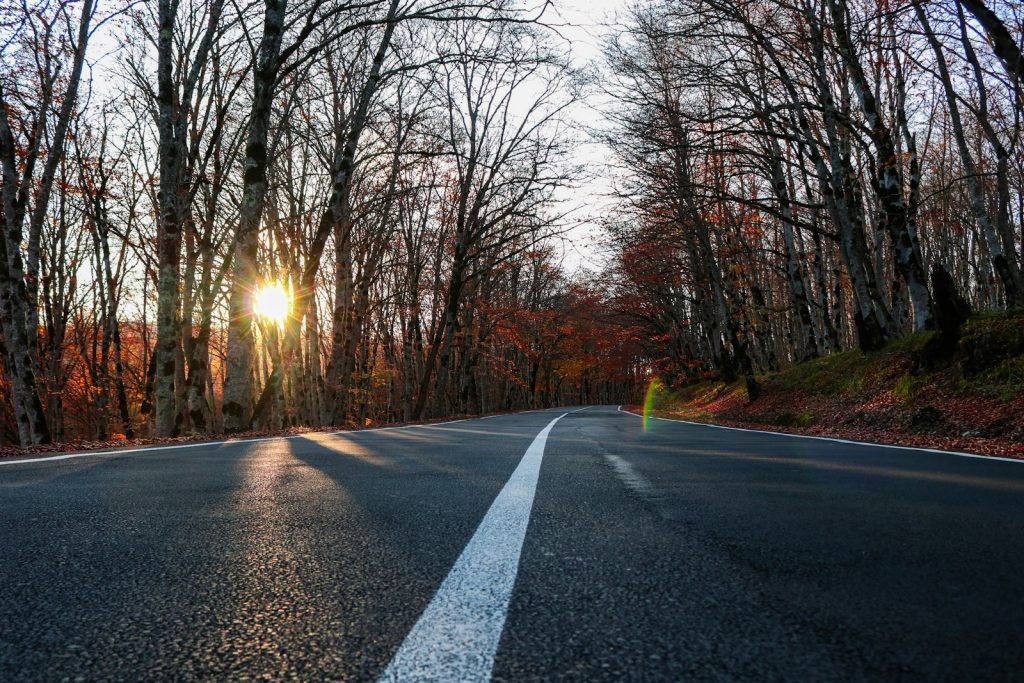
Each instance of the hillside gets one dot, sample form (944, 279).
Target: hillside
(972, 401)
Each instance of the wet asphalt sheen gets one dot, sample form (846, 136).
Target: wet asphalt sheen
(683, 553)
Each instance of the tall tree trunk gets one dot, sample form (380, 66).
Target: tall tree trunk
(1003, 43)
(18, 285)
(29, 415)
(168, 329)
(807, 347)
(887, 179)
(173, 112)
(1009, 274)
(441, 340)
(238, 381)
(337, 380)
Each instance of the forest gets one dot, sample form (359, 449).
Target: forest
(816, 176)
(229, 217)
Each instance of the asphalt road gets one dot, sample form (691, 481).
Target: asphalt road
(594, 551)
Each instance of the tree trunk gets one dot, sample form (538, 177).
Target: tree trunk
(238, 381)
(1008, 274)
(887, 182)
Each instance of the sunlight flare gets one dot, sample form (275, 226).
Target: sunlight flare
(652, 391)
(272, 303)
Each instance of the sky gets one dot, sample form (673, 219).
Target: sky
(583, 23)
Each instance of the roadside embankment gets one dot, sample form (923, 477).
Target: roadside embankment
(973, 400)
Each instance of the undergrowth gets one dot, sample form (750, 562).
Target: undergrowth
(901, 388)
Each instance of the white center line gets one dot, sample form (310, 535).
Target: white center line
(457, 635)
(630, 476)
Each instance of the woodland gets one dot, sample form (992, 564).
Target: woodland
(251, 216)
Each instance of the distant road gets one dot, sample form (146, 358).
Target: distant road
(564, 544)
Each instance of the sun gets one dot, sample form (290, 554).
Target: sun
(272, 303)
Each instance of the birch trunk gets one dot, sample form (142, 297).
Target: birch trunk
(887, 179)
(1008, 275)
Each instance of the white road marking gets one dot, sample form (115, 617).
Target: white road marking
(449, 422)
(629, 475)
(834, 439)
(640, 485)
(144, 449)
(457, 635)
(226, 442)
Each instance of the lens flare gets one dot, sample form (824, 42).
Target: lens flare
(652, 391)
(272, 303)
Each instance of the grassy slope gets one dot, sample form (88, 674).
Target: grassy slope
(973, 402)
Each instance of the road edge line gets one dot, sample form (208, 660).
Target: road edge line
(833, 439)
(231, 442)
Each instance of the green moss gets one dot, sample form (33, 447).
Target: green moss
(910, 343)
(685, 413)
(803, 418)
(1003, 381)
(850, 373)
(989, 363)
(839, 372)
(853, 385)
(987, 340)
(906, 387)
(701, 393)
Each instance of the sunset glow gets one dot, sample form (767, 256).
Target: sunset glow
(272, 302)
